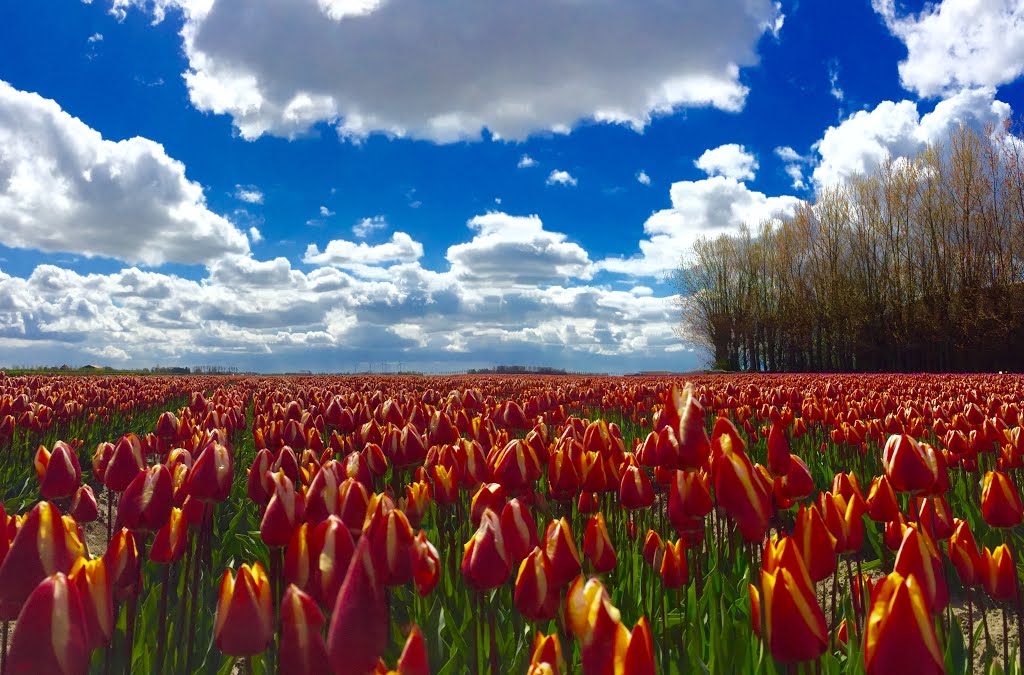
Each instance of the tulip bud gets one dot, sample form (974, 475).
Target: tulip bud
(560, 549)
(547, 651)
(284, 512)
(358, 634)
(245, 612)
(210, 478)
(881, 501)
(59, 472)
(908, 465)
(426, 566)
(146, 502)
(44, 545)
(518, 530)
(1000, 501)
(899, 635)
(816, 544)
(258, 485)
(794, 623)
(302, 647)
(90, 578)
(83, 505)
(999, 576)
(635, 489)
(597, 545)
(489, 496)
(122, 561)
(170, 540)
(963, 553)
(485, 562)
(738, 487)
(778, 451)
(49, 636)
(536, 597)
(674, 570)
(126, 462)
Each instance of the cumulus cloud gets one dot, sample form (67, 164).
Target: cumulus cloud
(525, 162)
(956, 44)
(365, 66)
(793, 165)
(255, 236)
(704, 208)
(559, 177)
(516, 250)
(63, 187)
(730, 160)
(342, 253)
(249, 194)
(896, 129)
(326, 212)
(643, 178)
(368, 226)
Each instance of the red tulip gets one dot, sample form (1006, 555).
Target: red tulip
(881, 501)
(635, 489)
(561, 552)
(489, 496)
(426, 567)
(674, 571)
(899, 635)
(816, 544)
(485, 562)
(358, 634)
(284, 512)
(536, 597)
(302, 647)
(146, 502)
(918, 557)
(597, 545)
(125, 463)
(245, 613)
(963, 553)
(45, 544)
(518, 530)
(794, 623)
(50, 634)
(547, 652)
(998, 574)
(90, 578)
(210, 478)
(908, 465)
(1000, 501)
(59, 472)
(83, 505)
(170, 540)
(778, 451)
(738, 488)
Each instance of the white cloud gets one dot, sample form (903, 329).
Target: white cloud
(730, 160)
(280, 67)
(704, 208)
(788, 154)
(326, 212)
(866, 138)
(559, 177)
(94, 38)
(65, 188)
(833, 81)
(793, 165)
(249, 194)
(643, 178)
(525, 162)
(255, 236)
(368, 226)
(516, 250)
(955, 44)
(342, 253)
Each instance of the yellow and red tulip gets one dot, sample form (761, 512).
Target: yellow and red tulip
(899, 635)
(597, 545)
(245, 614)
(302, 646)
(50, 633)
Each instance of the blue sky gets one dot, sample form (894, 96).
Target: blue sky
(323, 184)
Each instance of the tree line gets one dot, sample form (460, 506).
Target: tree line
(915, 266)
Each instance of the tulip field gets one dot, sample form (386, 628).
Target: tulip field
(516, 524)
